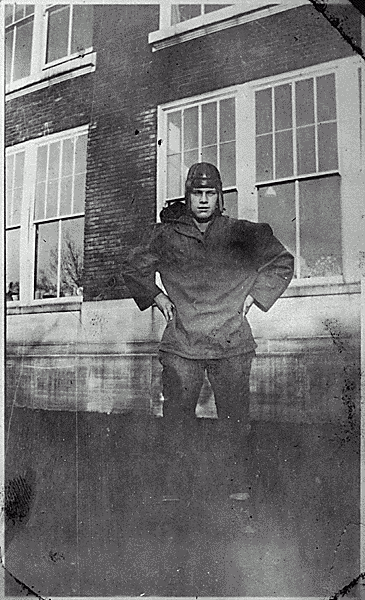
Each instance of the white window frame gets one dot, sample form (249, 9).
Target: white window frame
(165, 10)
(349, 158)
(244, 11)
(27, 223)
(11, 225)
(163, 111)
(70, 56)
(349, 164)
(43, 74)
(295, 178)
(14, 27)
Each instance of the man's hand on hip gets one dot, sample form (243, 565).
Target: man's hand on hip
(247, 304)
(165, 305)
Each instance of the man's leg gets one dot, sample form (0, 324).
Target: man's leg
(182, 380)
(230, 380)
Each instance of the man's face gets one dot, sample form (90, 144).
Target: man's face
(203, 202)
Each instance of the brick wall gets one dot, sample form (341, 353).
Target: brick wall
(121, 186)
(131, 81)
(120, 102)
(49, 110)
(283, 42)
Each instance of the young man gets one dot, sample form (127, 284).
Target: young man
(213, 269)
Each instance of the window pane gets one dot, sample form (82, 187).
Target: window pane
(174, 176)
(283, 107)
(53, 177)
(54, 161)
(9, 187)
(46, 260)
(208, 8)
(10, 160)
(39, 208)
(284, 153)
(72, 251)
(40, 196)
(67, 157)
(209, 154)
(9, 8)
(174, 133)
(306, 150)
(320, 226)
(66, 196)
(17, 204)
(184, 12)
(327, 146)
(80, 154)
(29, 9)
(190, 158)
(191, 131)
(17, 188)
(264, 163)
(231, 204)
(9, 203)
(209, 124)
(263, 111)
(57, 39)
(9, 171)
(19, 11)
(227, 124)
(19, 169)
(12, 263)
(52, 199)
(23, 50)
(82, 28)
(8, 53)
(326, 98)
(228, 163)
(304, 102)
(79, 193)
(276, 206)
(42, 163)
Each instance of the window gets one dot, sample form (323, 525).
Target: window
(183, 22)
(53, 173)
(42, 42)
(202, 132)
(297, 173)
(289, 151)
(185, 12)
(69, 31)
(14, 205)
(58, 217)
(19, 21)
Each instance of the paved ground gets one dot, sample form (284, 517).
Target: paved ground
(83, 518)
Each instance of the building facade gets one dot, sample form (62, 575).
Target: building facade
(107, 106)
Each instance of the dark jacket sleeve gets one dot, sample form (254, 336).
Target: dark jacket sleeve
(275, 267)
(140, 268)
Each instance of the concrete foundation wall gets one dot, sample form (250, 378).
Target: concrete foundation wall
(104, 358)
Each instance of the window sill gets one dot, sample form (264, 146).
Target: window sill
(44, 306)
(217, 21)
(327, 287)
(63, 71)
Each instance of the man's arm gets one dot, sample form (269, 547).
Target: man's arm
(275, 268)
(139, 272)
(165, 305)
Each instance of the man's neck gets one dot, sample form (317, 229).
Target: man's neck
(202, 225)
